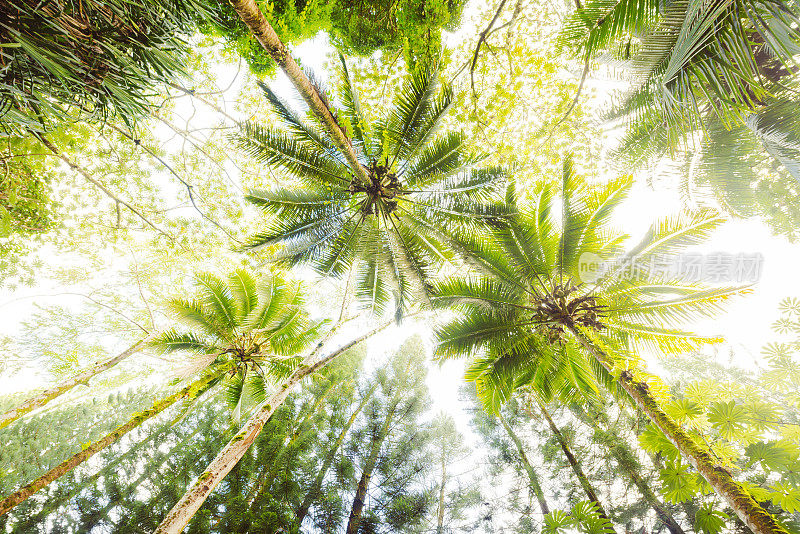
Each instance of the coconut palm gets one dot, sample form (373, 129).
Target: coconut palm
(246, 334)
(391, 221)
(685, 56)
(537, 310)
(253, 328)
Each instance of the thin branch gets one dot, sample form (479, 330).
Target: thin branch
(189, 187)
(83, 172)
(586, 65)
(481, 39)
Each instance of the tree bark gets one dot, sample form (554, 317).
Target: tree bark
(532, 476)
(576, 466)
(357, 509)
(254, 19)
(75, 460)
(633, 475)
(180, 514)
(81, 378)
(313, 490)
(747, 508)
(440, 510)
(277, 462)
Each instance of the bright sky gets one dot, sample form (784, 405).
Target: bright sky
(746, 325)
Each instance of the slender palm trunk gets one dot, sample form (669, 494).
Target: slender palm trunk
(357, 509)
(75, 460)
(313, 490)
(576, 466)
(254, 19)
(745, 506)
(81, 378)
(180, 514)
(614, 443)
(533, 478)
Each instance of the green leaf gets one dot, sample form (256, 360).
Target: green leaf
(710, 521)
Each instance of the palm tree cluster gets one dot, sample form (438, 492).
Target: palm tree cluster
(396, 204)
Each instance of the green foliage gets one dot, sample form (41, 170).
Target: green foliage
(523, 315)
(394, 231)
(735, 92)
(678, 483)
(68, 60)
(361, 27)
(710, 521)
(252, 328)
(584, 517)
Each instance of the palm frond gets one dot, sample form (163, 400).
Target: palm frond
(301, 131)
(174, 341)
(278, 149)
(243, 286)
(218, 297)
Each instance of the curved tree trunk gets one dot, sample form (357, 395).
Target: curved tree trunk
(313, 490)
(252, 16)
(745, 506)
(75, 460)
(81, 378)
(532, 476)
(180, 514)
(624, 463)
(576, 466)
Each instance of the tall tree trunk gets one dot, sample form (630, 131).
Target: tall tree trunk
(614, 444)
(576, 466)
(440, 510)
(745, 506)
(252, 16)
(532, 476)
(229, 456)
(264, 481)
(357, 509)
(313, 490)
(75, 460)
(81, 378)
(53, 504)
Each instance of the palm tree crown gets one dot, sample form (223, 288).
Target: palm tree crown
(253, 329)
(527, 307)
(393, 218)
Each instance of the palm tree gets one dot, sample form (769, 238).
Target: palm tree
(255, 328)
(532, 318)
(391, 222)
(180, 514)
(247, 332)
(704, 71)
(686, 56)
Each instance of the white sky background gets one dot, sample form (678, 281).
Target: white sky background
(746, 324)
